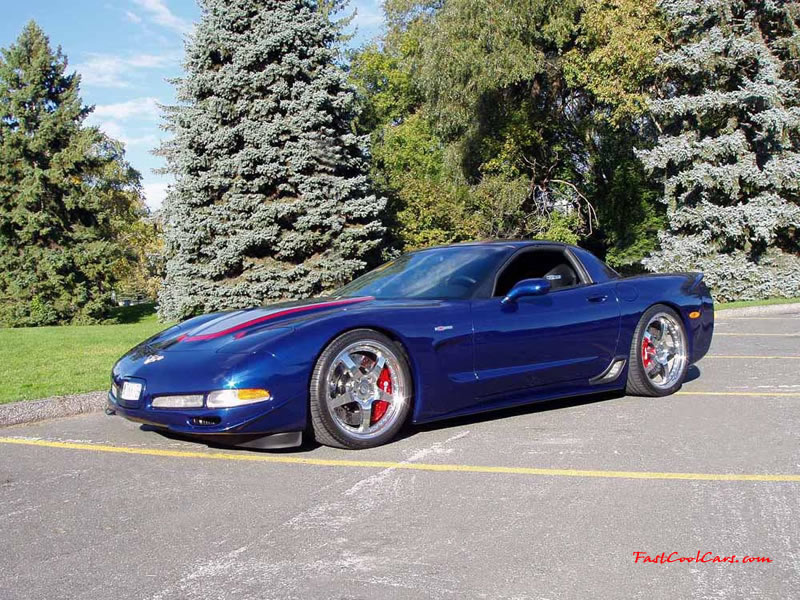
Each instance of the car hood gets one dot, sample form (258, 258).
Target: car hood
(213, 332)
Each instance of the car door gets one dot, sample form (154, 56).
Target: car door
(565, 335)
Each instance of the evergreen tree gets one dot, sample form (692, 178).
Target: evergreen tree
(65, 193)
(271, 199)
(728, 151)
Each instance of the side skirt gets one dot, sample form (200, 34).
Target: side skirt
(533, 397)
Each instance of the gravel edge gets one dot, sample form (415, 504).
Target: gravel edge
(16, 413)
(758, 311)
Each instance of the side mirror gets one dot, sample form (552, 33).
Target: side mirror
(527, 287)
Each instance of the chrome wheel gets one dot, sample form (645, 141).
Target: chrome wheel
(663, 350)
(366, 389)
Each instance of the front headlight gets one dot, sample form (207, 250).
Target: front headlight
(230, 398)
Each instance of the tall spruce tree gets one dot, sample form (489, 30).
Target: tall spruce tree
(729, 147)
(271, 199)
(65, 193)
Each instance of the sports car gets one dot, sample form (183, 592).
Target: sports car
(434, 334)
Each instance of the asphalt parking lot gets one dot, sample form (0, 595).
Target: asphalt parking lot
(546, 502)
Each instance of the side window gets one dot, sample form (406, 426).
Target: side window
(597, 269)
(552, 265)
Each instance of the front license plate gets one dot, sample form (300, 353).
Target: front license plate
(131, 391)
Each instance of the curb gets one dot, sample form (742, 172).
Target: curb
(17, 413)
(759, 311)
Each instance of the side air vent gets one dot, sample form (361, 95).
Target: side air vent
(205, 421)
(611, 373)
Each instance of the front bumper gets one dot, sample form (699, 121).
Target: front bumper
(228, 426)
(196, 373)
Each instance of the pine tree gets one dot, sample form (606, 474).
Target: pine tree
(728, 151)
(271, 199)
(65, 193)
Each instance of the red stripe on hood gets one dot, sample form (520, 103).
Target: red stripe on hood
(280, 313)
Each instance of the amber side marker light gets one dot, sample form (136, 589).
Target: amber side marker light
(236, 397)
(694, 314)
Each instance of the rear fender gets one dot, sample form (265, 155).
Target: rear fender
(686, 293)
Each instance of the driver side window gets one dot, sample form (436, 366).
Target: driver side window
(549, 264)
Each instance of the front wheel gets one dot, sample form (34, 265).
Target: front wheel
(360, 391)
(659, 356)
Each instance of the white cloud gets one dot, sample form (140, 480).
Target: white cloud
(112, 129)
(160, 14)
(133, 17)
(108, 70)
(154, 194)
(109, 118)
(102, 71)
(368, 16)
(150, 61)
(138, 108)
(115, 130)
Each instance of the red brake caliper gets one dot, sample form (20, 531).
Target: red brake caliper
(381, 406)
(648, 352)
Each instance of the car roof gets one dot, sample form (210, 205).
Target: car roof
(499, 243)
(596, 269)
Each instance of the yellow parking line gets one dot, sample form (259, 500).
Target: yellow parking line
(716, 334)
(376, 464)
(751, 356)
(762, 394)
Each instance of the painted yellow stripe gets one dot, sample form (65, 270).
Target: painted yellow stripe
(726, 356)
(408, 466)
(756, 334)
(760, 394)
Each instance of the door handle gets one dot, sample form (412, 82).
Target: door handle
(598, 298)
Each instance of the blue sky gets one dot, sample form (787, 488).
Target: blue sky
(124, 51)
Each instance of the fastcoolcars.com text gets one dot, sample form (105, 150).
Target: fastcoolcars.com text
(700, 557)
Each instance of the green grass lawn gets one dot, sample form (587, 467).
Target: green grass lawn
(743, 303)
(38, 362)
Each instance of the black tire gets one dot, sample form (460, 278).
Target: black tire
(639, 384)
(325, 428)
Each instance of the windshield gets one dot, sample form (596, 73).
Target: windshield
(443, 273)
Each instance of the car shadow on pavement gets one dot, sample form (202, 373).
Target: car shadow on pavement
(308, 442)
(513, 411)
(525, 409)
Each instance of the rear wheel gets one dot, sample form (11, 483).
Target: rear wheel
(360, 391)
(659, 354)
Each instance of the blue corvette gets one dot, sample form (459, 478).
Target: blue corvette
(434, 334)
